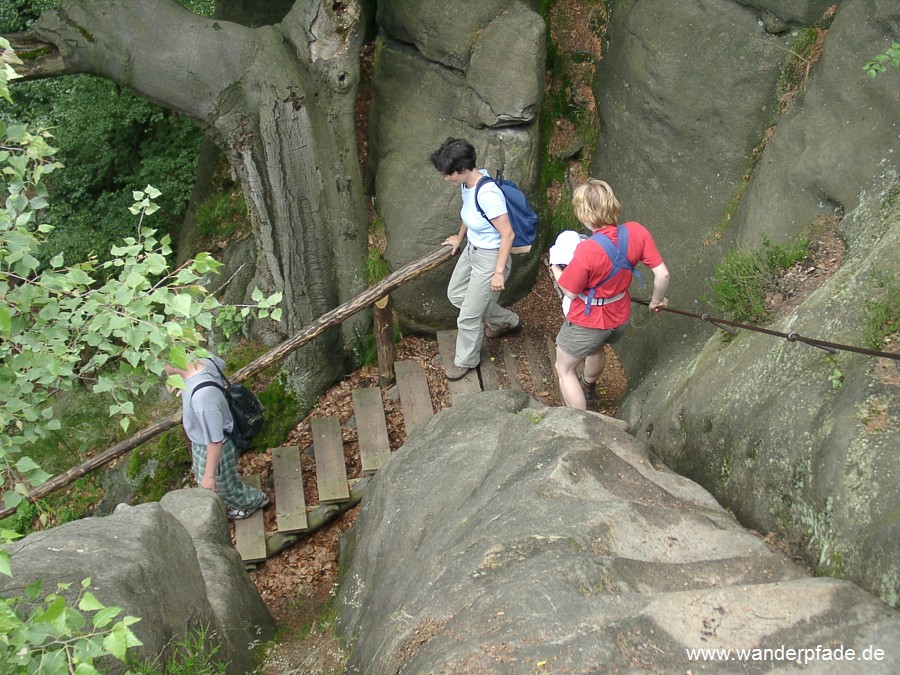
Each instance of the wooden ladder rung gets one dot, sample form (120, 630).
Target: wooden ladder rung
(415, 397)
(374, 446)
(290, 505)
(331, 472)
(250, 533)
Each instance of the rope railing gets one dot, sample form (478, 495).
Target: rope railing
(831, 347)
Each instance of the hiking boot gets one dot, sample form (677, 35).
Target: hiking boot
(506, 330)
(589, 389)
(455, 372)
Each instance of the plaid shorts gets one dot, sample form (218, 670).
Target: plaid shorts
(234, 492)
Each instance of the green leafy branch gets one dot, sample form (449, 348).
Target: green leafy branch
(48, 635)
(110, 326)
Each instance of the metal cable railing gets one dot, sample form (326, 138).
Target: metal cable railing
(831, 347)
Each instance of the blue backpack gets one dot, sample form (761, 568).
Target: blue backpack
(617, 256)
(521, 216)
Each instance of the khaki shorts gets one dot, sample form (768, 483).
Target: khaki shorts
(581, 342)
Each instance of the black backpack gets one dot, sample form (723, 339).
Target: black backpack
(246, 410)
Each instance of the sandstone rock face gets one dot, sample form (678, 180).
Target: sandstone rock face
(170, 563)
(688, 89)
(760, 422)
(686, 92)
(440, 72)
(509, 538)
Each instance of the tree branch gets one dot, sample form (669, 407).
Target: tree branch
(40, 59)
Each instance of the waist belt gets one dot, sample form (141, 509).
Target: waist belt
(599, 302)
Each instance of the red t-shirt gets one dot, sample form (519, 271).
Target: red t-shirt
(590, 265)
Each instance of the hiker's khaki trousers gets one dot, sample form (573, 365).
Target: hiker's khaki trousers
(470, 291)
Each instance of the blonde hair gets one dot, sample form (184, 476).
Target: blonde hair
(595, 204)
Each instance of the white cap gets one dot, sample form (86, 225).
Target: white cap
(562, 251)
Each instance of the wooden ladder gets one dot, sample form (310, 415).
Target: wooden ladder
(374, 447)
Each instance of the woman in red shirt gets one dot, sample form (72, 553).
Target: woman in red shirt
(601, 304)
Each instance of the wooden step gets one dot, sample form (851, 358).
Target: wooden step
(415, 397)
(374, 446)
(511, 361)
(490, 381)
(331, 472)
(290, 506)
(469, 382)
(250, 533)
(554, 376)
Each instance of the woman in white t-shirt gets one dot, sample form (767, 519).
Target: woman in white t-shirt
(483, 267)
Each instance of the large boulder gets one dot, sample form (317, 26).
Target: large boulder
(439, 72)
(685, 91)
(506, 537)
(170, 563)
(757, 422)
(763, 424)
(842, 131)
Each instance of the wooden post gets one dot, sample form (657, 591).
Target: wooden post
(384, 340)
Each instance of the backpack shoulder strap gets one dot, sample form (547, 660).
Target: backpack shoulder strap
(482, 181)
(614, 253)
(623, 234)
(208, 383)
(618, 256)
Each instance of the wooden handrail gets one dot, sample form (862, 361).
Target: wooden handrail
(328, 320)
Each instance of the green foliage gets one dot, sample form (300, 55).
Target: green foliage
(49, 635)
(201, 7)
(890, 57)
(196, 654)
(110, 140)
(106, 325)
(742, 279)
(375, 267)
(837, 380)
(882, 311)
(282, 413)
(17, 15)
(222, 214)
(24, 519)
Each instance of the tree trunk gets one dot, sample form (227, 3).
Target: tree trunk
(279, 101)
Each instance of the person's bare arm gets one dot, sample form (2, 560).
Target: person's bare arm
(504, 227)
(213, 457)
(660, 286)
